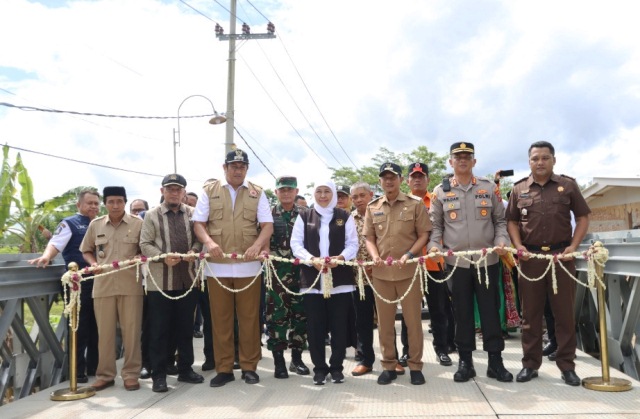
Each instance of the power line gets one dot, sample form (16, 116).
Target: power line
(283, 115)
(261, 14)
(83, 162)
(197, 11)
(253, 151)
(298, 106)
(315, 103)
(33, 108)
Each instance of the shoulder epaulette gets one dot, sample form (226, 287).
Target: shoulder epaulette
(569, 177)
(521, 180)
(100, 217)
(374, 200)
(414, 197)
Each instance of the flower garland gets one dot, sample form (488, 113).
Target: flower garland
(596, 255)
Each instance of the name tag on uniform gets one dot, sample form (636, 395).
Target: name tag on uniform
(378, 213)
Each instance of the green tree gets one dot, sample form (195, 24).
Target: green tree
(21, 220)
(369, 174)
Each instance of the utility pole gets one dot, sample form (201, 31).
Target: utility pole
(231, 37)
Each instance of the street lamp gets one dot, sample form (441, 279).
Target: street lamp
(217, 119)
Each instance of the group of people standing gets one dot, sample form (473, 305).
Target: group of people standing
(317, 297)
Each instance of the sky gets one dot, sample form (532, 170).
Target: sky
(339, 81)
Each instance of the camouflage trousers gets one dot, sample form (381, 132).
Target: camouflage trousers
(285, 317)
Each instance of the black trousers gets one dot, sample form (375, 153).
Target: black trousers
(207, 330)
(466, 284)
(87, 334)
(170, 317)
(327, 314)
(364, 325)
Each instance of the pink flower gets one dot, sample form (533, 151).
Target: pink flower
(327, 259)
(234, 255)
(143, 258)
(421, 260)
(201, 255)
(360, 262)
(585, 255)
(86, 270)
(389, 261)
(520, 252)
(75, 278)
(555, 258)
(449, 252)
(296, 261)
(115, 264)
(484, 251)
(74, 286)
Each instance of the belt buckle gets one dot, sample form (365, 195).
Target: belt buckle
(545, 248)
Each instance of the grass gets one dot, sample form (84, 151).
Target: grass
(54, 315)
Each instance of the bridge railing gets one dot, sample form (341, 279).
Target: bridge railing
(622, 281)
(31, 359)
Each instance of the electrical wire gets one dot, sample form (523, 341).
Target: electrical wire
(254, 153)
(315, 103)
(83, 162)
(102, 115)
(283, 115)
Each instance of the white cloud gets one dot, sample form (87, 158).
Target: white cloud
(498, 74)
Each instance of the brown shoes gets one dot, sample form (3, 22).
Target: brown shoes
(361, 370)
(131, 384)
(102, 384)
(399, 370)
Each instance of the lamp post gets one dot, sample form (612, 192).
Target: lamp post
(216, 120)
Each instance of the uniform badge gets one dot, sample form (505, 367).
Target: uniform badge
(101, 254)
(482, 191)
(483, 203)
(340, 222)
(253, 193)
(450, 194)
(452, 206)
(404, 209)
(453, 215)
(524, 211)
(379, 226)
(560, 188)
(483, 212)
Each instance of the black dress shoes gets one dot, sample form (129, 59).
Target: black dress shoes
(298, 367)
(172, 370)
(144, 374)
(221, 379)
(500, 373)
(444, 359)
(417, 378)
(387, 377)
(159, 385)
(465, 372)
(549, 348)
(208, 365)
(526, 374)
(191, 377)
(82, 378)
(250, 377)
(570, 377)
(403, 360)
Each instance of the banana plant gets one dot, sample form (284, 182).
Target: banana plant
(20, 217)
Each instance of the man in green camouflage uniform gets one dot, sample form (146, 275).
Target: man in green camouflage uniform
(285, 317)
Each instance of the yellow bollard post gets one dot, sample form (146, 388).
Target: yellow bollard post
(604, 383)
(73, 392)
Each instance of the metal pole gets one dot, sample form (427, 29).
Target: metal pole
(73, 393)
(228, 144)
(604, 383)
(175, 164)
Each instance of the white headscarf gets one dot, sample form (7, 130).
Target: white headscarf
(327, 212)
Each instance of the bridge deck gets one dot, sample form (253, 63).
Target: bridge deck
(544, 397)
